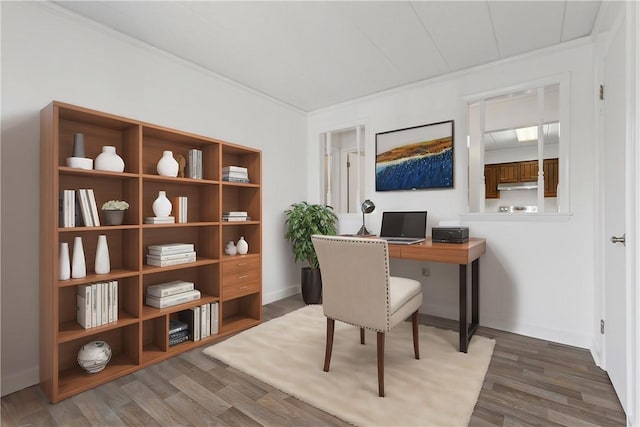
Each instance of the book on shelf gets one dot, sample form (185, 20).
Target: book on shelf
(159, 220)
(236, 218)
(172, 300)
(69, 208)
(235, 169)
(195, 163)
(172, 256)
(233, 179)
(171, 248)
(235, 213)
(178, 334)
(93, 207)
(205, 317)
(84, 306)
(85, 209)
(178, 340)
(169, 262)
(180, 206)
(169, 288)
(215, 325)
(176, 325)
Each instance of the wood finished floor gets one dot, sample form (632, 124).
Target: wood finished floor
(529, 382)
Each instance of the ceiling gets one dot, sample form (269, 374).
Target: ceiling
(312, 55)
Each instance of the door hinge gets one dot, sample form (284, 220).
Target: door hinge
(602, 326)
(601, 92)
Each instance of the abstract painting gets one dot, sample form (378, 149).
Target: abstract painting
(418, 157)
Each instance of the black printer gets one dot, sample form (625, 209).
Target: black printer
(450, 234)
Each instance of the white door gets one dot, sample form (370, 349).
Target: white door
(614, 216)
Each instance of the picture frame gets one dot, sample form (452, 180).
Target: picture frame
(415, 158)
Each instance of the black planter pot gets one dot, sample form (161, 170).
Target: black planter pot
(311, 285)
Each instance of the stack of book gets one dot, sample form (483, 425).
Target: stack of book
(178, 332)
(195, 164)
(78, 208)
(97, 304)
(202, 320)
(235, 174)
(172, 293)
(171, 254)
(180, 206)
(159, 220)
(235, 216)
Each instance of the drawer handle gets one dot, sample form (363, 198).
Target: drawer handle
(240, 264)
(243, 277)
(243, 287)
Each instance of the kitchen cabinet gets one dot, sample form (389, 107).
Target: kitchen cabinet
(524, 171)
(508, 172)
(491, 182)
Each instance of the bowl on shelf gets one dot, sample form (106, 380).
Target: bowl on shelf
(94, 356)
(80, 162)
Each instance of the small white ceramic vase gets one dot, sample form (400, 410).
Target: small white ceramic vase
(242, 246)
(167, 165)
(78, 265)
(64, 267)
(102, 264)
(162, 205)
(108, 160)
(230, 249)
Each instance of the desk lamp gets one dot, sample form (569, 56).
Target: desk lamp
(367, 207)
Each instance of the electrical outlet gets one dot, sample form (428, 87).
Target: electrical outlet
(426, 272)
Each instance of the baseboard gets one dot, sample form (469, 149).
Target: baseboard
(20, 380)
(280, 294)
(520, 328)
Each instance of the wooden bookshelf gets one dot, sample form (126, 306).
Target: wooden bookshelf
(140, 335)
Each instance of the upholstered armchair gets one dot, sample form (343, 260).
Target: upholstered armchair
(358, 289)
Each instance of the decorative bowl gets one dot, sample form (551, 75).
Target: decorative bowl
(80, 162)
(94, 356)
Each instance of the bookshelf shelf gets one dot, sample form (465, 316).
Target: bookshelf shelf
(139, 337)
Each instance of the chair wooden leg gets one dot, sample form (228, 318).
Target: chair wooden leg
(416, 342)
(362, 336)
(327, 354)
(381, 364)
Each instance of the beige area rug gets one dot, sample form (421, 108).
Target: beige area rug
(440, 389)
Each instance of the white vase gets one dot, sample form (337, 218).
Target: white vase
(108, 160)
(64, 266)
(78, 265)
(102, 264)
(167, 165)
(242, 246)
(230, 249)
(162, 205)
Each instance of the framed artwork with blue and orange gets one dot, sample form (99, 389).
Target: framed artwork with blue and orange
(419, 157)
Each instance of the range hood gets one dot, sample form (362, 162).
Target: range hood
(531, 185)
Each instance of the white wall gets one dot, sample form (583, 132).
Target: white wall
(49, 54)
(536, 277)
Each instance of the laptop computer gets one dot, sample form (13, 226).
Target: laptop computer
(405, 228)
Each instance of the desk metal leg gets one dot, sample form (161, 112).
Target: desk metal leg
(466, 331)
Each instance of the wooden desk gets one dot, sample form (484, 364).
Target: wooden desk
(462, 254)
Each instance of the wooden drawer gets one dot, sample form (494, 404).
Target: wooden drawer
(240, 277)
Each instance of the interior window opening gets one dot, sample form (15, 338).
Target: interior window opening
(514, 151)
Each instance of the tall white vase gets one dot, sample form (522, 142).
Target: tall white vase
(167, 165)
(78, 265)
(108, 160)
(242, 246)
(162, 205)
(64, 266)
(102, 264)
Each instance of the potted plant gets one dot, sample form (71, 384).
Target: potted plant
(303, 221)
(113, 211)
